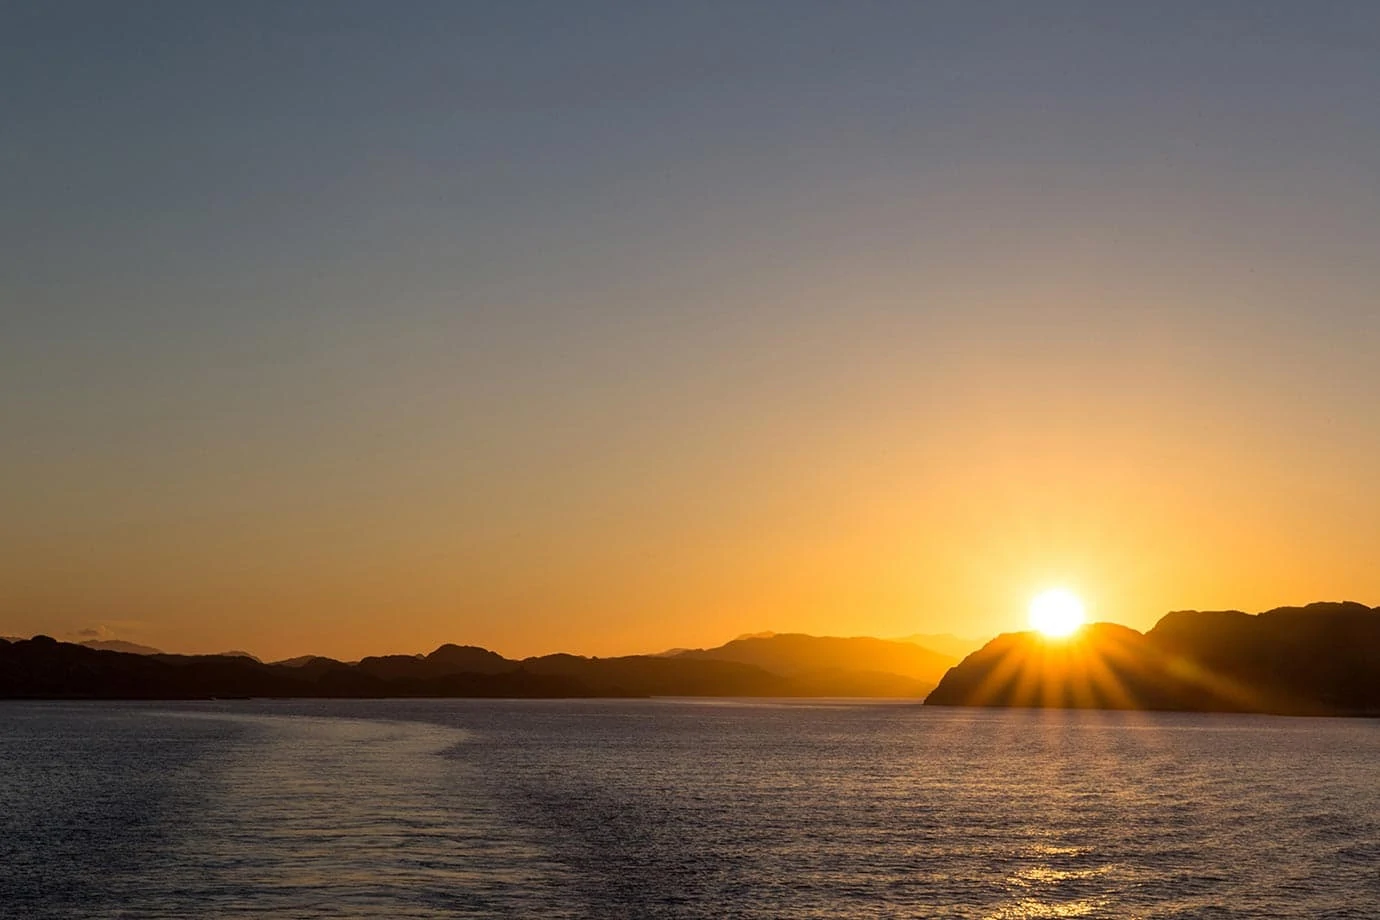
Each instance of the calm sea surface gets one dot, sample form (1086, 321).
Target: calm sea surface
(680, 809)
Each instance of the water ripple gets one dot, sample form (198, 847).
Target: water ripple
(676, 809)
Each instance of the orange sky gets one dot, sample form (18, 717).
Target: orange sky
(902, 499)
(658, 331)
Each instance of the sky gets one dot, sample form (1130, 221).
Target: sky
(353, 328)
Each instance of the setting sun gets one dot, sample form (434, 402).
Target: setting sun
(1056, 613)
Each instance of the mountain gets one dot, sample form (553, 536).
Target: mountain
(1322, 659)
(857, 666)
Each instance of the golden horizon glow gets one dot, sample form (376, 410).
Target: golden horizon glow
(1057, 613)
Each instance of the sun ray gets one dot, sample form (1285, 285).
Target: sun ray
(997, 679)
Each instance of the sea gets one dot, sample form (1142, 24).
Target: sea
(675, 808)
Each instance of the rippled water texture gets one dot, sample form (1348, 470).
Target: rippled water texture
(681, 809)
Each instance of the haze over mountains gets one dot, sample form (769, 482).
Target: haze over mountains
(944, 643)
(120, 645)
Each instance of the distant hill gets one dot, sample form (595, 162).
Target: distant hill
(890, 668)
(956, 647)
(1322, 659)
(120, 645)
(238, 653)
(301, 661)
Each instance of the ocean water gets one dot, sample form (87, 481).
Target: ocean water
(670, 808)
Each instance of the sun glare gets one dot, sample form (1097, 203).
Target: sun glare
(1056, 613)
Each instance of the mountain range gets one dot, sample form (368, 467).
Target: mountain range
(786, 665)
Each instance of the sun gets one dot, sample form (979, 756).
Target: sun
(1056, 613)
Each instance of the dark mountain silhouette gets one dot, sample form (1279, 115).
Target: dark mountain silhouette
(1322, 659)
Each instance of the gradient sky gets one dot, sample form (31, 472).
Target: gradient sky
(360, 327)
